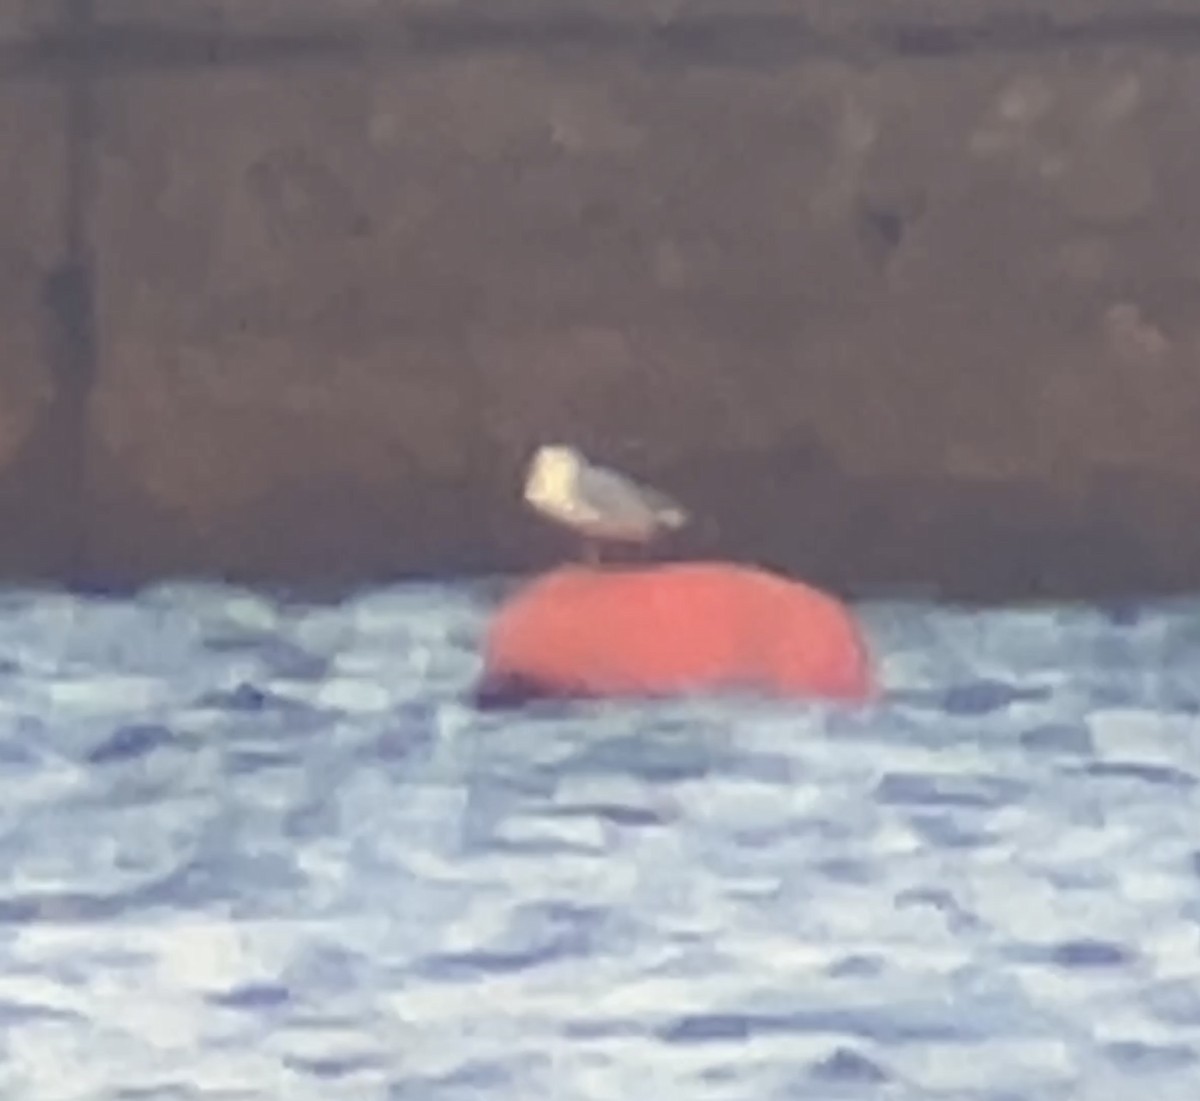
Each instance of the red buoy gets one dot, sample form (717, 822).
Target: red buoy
(670, 629)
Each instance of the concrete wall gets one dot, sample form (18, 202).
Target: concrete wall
(894, 293)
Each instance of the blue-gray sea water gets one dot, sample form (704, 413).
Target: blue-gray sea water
(257, 848)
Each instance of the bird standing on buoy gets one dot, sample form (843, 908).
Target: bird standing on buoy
(599, 504)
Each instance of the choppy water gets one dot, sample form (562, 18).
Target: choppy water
(254, 849)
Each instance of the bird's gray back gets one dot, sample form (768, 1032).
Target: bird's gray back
(621, 501)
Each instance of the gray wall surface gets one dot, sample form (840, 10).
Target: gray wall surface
(894, 293)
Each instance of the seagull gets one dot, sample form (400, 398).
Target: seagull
(599, 504)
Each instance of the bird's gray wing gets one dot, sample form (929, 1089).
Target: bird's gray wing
(614, 496)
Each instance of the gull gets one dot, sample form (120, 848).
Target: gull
(599, 504)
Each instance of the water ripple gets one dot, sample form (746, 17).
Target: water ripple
(258, 847)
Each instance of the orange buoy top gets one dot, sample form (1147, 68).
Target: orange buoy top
(670, 629)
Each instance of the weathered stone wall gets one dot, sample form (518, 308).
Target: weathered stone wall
(894, 293)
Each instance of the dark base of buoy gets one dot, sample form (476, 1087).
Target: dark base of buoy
(511, 692)
(514, 692)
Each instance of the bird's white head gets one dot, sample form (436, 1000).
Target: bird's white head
(551, 478)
